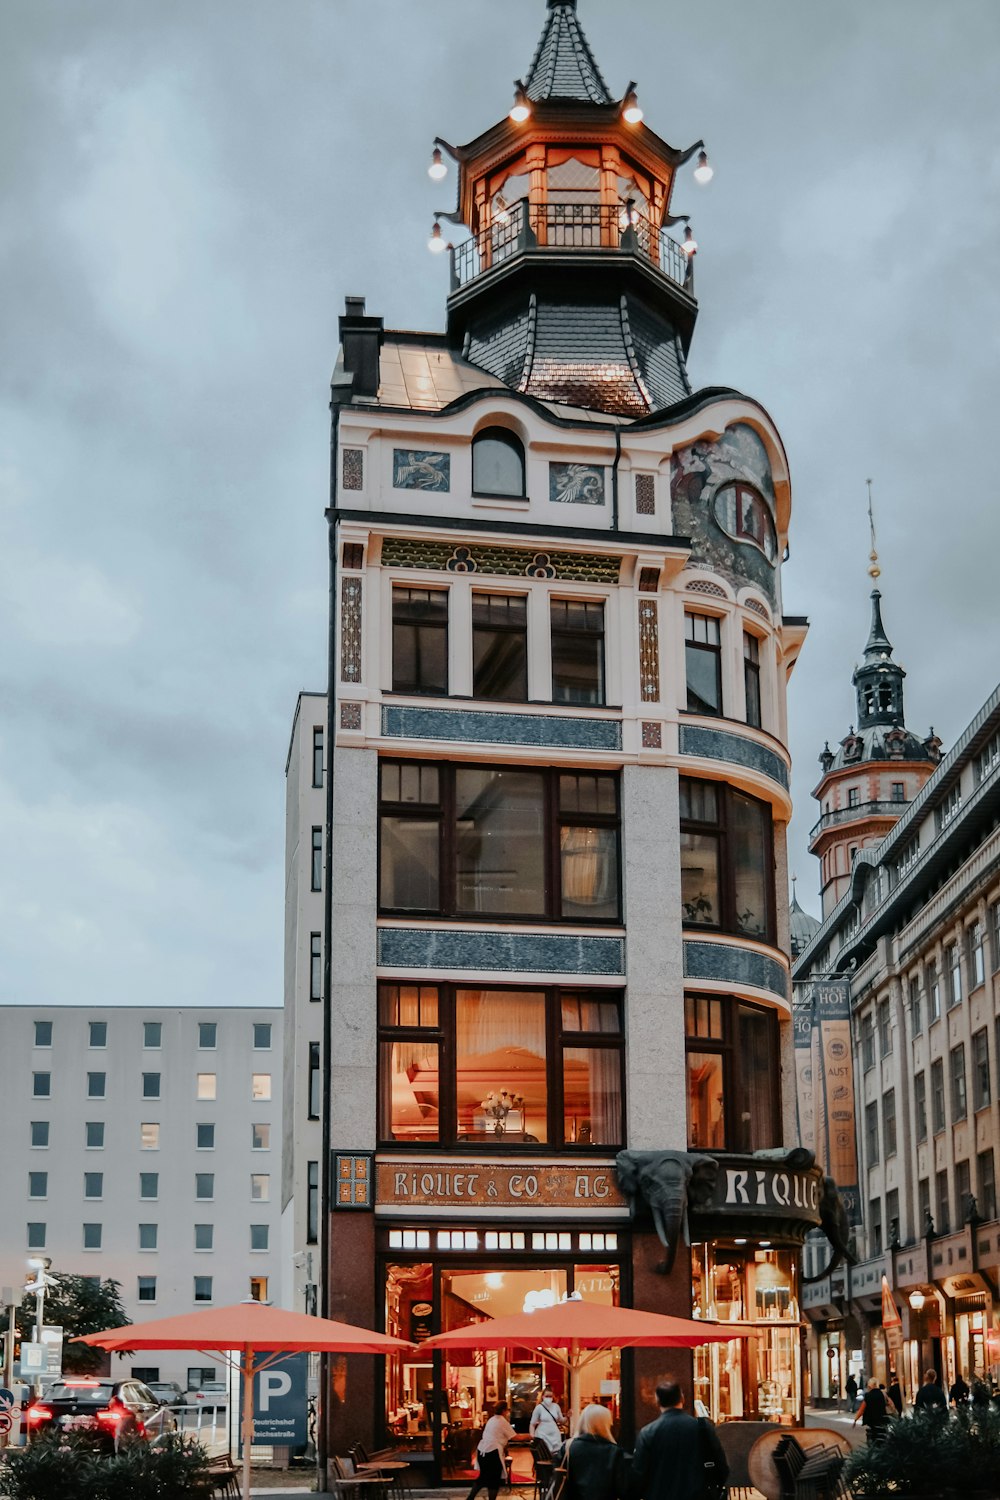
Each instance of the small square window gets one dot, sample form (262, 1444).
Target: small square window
(97, 1084)
(40, 1133)
(149, 1184)
(93, 1184)
(206, 1086)
(41, 1085)
(261, 1036)
(147, 1236)
(258, 1236)
(205, 1136)
(146, 1289)
(260, 1086)
(38, 1184)
(260, 1137)
(98, 1033)
(92, 1236)
(207, 1032)
(43, 1033)
(204, 1235)
(152, 1034)
(149, 1137)
(36, 1236)
(151, 1085)
(203, 1290)
(260, 1187)
(94, 1135)
(204, 1185)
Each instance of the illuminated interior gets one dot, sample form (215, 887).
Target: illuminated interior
(754, 1379)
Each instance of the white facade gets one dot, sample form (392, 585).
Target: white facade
(144, 1145)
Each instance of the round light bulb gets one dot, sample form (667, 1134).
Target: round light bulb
(438, 167)
(436, 243)
(521, 108)
(631, 109)
(689, 244)
(703, 171)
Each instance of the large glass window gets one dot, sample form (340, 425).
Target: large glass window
(751, 678)
(500, 646)
(937, 1096)
(959, 1103)
(577, 651)
(703, 659)
(754, 1378)
(981, 1090)
(726, 860)
(498, 841)
(499, 1066)
(920, 1105)
(498, 464)
(419, 640)
(732, 1074)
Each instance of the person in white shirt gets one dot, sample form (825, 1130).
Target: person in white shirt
(545, 1421)
(492, 1447)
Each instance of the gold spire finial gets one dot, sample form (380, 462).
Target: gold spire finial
(873, 568)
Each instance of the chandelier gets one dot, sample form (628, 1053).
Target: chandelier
(497, 1107)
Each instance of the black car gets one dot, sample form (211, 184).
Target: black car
(107, 1410)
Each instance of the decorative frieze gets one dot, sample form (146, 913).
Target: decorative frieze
(352, 468)
(500, 562)
(576, 484)
(739, 967)
(649, 651)
(702, 586)
(759, 609)
(719, 744)
(350, 630)
(652, 735)
(350, 716)
(483, 727)
(422, 948)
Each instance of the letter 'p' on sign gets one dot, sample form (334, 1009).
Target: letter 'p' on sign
(274, 1384)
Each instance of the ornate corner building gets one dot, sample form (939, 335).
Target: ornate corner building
(537, 974)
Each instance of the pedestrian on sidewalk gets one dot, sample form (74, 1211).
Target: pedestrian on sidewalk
(959, 1393)
(673, 1454)
(873, 1413)
(491, 1453)
(851, 1387)
(895, 1393)
(930, 1397)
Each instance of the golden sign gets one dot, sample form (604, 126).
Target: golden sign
(478, 1184)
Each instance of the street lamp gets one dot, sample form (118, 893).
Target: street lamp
(917, 1300)
(40, 1265)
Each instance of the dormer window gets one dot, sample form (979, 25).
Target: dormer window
(743, 514)
(498, 464)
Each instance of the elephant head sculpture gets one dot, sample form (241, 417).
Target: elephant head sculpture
(667, 1182)
(837, 1228)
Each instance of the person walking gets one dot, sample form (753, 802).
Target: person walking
(547, 1421)
(673, 1453)
(895, 1393)
(491, 1451)
(959, 1393)
(873, 1413)
(851, 1387)
(596, 1468)
(930, 1397)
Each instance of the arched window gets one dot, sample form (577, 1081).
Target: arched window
(498, 464)
(744, 514)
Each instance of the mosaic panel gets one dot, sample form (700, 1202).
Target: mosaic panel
(353, 1179)
(501, 562)
(350, 716)
(652, 735)
(649, 651)
(507, 952)
(466, 726)
(352, 469)
(717, 744)
(645, 495)
(702, 586)
(699, 474)
(737, 966)
(417, 469)
(350, 630)
(576, 484)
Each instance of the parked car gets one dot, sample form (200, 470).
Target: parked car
(212, 1395)
(167, 1392)
(109, 1410)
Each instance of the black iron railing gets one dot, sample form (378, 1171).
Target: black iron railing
(568, 226)
(859, 810)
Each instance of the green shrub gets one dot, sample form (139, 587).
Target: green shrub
(48, 1469)
(925, 1455)
(170, 1469)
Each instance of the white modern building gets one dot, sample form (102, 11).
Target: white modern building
(143, 1145)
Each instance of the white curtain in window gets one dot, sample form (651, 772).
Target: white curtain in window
(492, 1020)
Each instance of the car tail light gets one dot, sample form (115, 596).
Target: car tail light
(110, 1418)
(37, 1413)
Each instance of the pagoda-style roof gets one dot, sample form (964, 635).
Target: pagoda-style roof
(563, 66)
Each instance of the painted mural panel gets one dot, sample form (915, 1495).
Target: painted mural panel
(576, 484)
(722, 495)
(416, 469)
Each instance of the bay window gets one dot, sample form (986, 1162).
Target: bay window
(726, 860)
(499, 1067)
(732, 1074)
(498, 841)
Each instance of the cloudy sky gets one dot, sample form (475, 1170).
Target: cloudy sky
(189, 191)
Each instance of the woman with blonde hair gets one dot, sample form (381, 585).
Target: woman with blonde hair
(596, 1467)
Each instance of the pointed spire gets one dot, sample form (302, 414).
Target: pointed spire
(878, 643)
(563, 66)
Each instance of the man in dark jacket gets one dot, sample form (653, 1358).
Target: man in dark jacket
(671, 1453)
(930, 1397)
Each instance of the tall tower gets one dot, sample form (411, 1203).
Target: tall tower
(877, 769)
(537, 961)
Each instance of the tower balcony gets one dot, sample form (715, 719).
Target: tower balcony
(529, 231)
(860, 812)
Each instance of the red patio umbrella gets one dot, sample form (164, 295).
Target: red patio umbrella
(247, 1329)
(585, 1331)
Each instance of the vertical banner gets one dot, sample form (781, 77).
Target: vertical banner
(805, 1093)
(892, 1326)
(832, 1001)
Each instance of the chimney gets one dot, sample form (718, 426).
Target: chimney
(361, 339)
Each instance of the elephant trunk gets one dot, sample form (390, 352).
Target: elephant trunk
(668, 1229)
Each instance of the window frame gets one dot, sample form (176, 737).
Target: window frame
(43, 1028)
(150, 1028)
(920, 1106)
(939, 1119)
(507, 439)
(982, 1075)
(958, 1083)
(705, 647)
(444, 812)
(872, 1153)
(752, 697)
(889, 1125)
(564, 633)
(37, 1129)
(316, 865)
(727, 1046)
(443, 1035)
(314, 1096)
(723, 829)
(315, 966)
(317, 755)
(503, 628)
(208, 1029)
(428, 651)
(740, 532)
